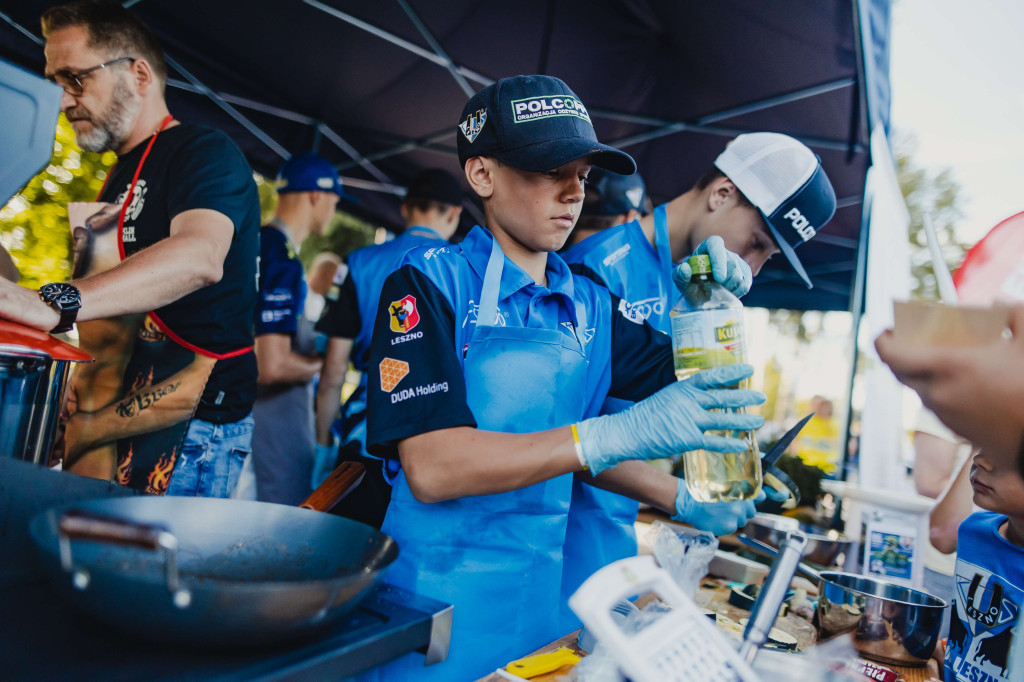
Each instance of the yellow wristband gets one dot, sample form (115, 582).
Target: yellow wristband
(579, 448)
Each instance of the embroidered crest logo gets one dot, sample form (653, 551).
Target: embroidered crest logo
(404, 315)
(473, 124)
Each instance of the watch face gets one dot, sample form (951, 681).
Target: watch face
(61, 293)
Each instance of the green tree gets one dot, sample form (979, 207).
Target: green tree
(34, 223)
(936, 194)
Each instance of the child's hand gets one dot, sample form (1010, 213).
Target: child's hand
(727, 268)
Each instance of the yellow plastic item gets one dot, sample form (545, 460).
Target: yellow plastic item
(531, 666)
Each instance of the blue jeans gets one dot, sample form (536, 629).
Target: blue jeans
(211, 458)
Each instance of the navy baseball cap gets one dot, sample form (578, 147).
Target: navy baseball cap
(533, 123)
(613, 194)
(785, 181)
(310, 173)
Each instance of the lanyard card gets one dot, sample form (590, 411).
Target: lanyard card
(681, 646)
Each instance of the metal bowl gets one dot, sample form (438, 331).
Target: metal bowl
(826, 548)
(890, 623)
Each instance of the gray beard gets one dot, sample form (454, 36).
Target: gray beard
(111, 128)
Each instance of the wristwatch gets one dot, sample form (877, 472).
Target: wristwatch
(65, 299)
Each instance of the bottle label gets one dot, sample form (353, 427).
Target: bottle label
(709, 338)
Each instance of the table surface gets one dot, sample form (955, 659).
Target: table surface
(717, 599)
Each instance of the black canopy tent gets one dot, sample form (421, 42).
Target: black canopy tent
(377, 87)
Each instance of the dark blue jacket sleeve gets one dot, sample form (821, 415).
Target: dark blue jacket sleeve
(282, 286)
(415, 381)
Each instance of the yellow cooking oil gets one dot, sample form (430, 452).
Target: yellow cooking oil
(707, 331)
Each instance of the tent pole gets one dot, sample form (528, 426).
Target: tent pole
(395, 40)
(678, 127)
(422, 143)
(359, 160)
(438, 50)
(859, 290)
(778, 100)
(247, 103)
(231, 111)
(317, 135)
(21, 29)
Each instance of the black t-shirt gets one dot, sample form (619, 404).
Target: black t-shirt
(424, 364)
(341, 318)
(194, 167)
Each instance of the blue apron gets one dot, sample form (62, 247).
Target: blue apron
(497, 558)
(600, 528)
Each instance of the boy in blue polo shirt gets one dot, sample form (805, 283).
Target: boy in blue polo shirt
(766, 192)
(488, 363)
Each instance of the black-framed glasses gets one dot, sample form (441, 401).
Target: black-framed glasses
(71, 81)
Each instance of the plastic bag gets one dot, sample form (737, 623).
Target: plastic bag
(830, 661)
(684, 552)
(600, 665)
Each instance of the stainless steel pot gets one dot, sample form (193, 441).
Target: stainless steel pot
(34, 369)
(889, 623)
(824, 548)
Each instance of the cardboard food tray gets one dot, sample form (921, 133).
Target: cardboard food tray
(937, 324)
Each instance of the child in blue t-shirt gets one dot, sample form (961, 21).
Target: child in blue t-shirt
(989, 585)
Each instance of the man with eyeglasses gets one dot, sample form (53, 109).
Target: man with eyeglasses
(186, 285)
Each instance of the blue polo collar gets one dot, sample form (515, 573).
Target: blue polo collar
(477, 247)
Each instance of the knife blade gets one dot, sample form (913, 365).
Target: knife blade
(780, 446)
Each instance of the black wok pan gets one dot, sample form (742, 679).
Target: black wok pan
(210, 572)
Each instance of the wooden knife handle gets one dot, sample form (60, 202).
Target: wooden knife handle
(340, 483)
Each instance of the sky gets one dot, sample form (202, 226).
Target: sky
(957, 70)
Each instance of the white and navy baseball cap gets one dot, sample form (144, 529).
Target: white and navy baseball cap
(310, 173)
(785, 181)
(533, 123)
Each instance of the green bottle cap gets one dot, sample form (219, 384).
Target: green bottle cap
(700, 264)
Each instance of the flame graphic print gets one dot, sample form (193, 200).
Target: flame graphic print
(124, 469)
(160, 477)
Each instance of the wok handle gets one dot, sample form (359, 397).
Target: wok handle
(81, 525)
(76, 524)
(762, 548)
(340, 483)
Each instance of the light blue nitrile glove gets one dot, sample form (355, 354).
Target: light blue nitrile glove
(673, 420)
(728, 269)
(324, 461)
(720, 518)
(774, 495)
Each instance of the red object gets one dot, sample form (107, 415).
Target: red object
(993, 269)
(14, 334)
(873, 671)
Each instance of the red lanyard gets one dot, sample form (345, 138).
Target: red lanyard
(120, 247)
(131, 188)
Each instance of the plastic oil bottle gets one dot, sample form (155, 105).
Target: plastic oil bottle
(707, 331)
